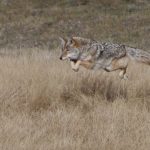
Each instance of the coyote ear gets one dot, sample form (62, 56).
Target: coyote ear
(74, 42)
(63, 41)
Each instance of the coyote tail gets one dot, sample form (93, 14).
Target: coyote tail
(138, 55)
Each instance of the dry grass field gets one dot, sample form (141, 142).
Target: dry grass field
(44, 105)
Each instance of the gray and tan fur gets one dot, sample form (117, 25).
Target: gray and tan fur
(95, 55)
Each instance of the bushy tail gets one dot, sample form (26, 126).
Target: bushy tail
(138, 55)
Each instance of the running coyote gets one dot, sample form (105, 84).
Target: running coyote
(95, 55)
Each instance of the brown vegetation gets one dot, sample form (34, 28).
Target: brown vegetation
(39, 23)
(45, 105)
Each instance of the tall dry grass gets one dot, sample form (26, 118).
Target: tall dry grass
(45, 105)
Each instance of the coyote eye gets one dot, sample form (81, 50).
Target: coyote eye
(71, 41)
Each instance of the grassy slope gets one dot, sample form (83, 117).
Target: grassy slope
(39, 23)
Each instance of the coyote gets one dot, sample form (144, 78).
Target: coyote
(96, 55)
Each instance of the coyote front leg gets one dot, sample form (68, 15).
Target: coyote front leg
(75, 65)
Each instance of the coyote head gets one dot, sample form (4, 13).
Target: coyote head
(69, 49)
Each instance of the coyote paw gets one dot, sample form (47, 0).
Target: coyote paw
(75, 69)
(124, 77)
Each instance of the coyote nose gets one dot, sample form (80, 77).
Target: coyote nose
(60, 58)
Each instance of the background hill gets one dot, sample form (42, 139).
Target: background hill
(39, 23)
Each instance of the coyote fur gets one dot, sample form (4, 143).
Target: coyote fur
(96, 55)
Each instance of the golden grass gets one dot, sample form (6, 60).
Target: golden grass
(45, 105)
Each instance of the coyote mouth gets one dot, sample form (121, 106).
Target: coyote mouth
(73, 60)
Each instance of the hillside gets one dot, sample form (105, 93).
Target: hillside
(37, 23)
